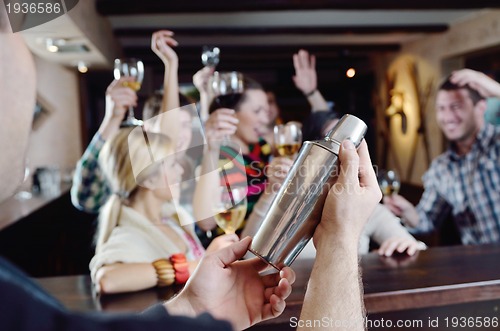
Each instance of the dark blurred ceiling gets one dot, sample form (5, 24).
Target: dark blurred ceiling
(263, 34)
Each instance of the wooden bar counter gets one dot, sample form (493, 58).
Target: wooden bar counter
(439, 278)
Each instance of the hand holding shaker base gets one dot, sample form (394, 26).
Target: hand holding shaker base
(296, 210)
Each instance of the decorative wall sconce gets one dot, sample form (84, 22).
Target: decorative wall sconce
(396, 108)
(413, 94)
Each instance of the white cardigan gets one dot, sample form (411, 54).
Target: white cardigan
(137, 240)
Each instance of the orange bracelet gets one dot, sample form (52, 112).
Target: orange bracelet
(181, 268)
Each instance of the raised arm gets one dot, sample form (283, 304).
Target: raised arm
(334, 289)
(89, 190)
(200, 80)
(161, 44)
(221, 123)
(486, 86)
(306, 80)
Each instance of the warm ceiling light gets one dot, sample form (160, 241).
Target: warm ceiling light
(51, 46)
(55, 45)
(82, 67)
(350, 72)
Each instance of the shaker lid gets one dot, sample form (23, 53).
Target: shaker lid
(349, 127)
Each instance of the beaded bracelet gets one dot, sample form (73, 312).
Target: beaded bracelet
(165, 272)
(175, 269)
(181, 268)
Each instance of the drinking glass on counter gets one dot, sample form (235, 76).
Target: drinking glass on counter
(130, 68)
(288, 138)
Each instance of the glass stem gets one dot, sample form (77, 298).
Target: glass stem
(130, 115)
(225, 140)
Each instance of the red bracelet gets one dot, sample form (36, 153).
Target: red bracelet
(181, 268)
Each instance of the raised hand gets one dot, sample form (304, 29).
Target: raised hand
(118, 99)
(277, 171)
(201, 78)
(478, 81)
(305, 78)
(221, 123)
(161, 44)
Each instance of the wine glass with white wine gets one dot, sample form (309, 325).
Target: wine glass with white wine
(389, 182)
(288, 138)
(130, 68)
(231, 208)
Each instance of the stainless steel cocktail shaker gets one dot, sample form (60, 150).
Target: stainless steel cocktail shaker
(296, 210)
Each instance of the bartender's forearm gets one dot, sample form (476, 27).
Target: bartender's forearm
(334, 289)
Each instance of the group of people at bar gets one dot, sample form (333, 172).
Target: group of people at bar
(149, 234)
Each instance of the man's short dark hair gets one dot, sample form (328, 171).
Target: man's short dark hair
(448, 85)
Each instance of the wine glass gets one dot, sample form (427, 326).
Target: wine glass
(227, 88)
(231, 208)
(130, 68)
(210, 56)
(288, 138)
(389, 182)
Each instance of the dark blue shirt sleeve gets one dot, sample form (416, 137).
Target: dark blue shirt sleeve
(24, 306)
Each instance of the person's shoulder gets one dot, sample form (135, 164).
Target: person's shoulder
(492, 137)
(496, 133)
(438, 169)
(440, 161)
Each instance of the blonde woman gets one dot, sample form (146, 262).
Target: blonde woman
(137, 246)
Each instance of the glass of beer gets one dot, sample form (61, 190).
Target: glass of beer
(130, 68)
(389, 182)
(231, 208)
(288, 138)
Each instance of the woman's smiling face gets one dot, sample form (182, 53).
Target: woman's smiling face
(253, 116)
